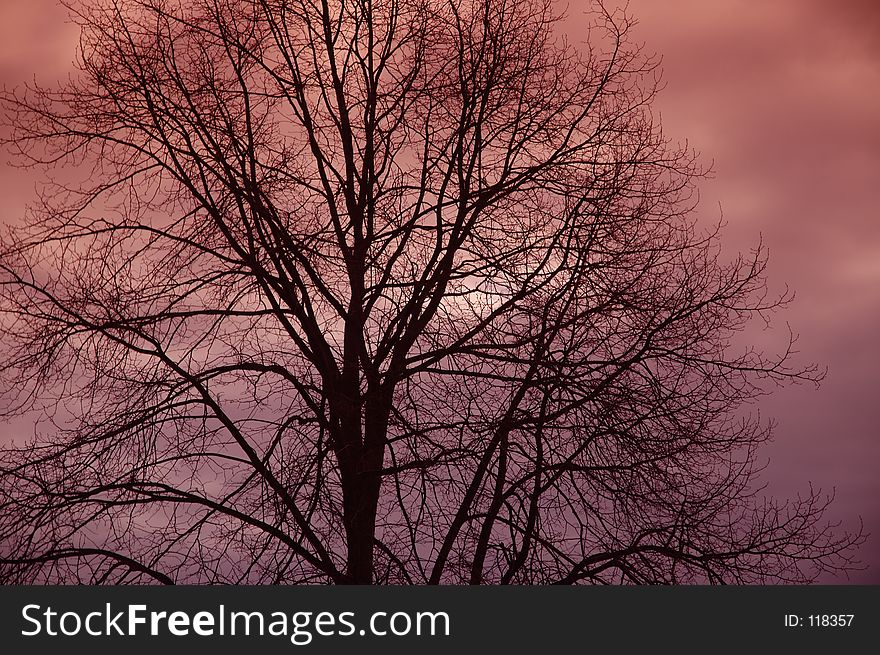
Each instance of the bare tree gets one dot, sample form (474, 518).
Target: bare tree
(391, 291)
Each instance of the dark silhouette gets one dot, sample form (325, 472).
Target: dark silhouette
(377, 292)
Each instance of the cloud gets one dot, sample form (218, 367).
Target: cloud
(784, 95)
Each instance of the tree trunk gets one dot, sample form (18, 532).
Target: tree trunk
(360, 502)
(360, 466)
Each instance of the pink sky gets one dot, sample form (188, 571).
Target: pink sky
(784, 96)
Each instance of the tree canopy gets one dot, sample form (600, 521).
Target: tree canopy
(392, 291)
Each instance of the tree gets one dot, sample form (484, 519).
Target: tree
(391, 291)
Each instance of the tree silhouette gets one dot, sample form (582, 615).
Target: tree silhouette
(392, 291)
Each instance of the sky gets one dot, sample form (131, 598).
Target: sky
(783, 97)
